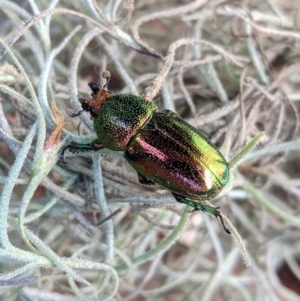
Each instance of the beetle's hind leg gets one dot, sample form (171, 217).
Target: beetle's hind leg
(204, 208)
(144, 180)
(77, 148)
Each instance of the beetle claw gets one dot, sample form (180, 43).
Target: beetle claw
(218, 215)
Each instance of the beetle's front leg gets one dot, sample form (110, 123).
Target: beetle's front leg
(202, 207)
(77, 148)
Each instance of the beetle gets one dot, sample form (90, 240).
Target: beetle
(158, 144)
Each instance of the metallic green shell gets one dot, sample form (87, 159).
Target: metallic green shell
(176, 155)
(121, 117)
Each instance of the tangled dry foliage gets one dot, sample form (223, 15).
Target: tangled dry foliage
(229, 68)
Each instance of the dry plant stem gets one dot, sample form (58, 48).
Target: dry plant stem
(216, 114)
(240, 62)
(109, 230)
(236, 236)
(273, 150)
(8, 187)
(242, 107)
(117, 33)
(233, 230)
(221, 271)
(256, 56)
(238, 239)
(165, 244)
(151, 273)
(185, 92)
(171, 12)
(268, 204)
(40, 158)
(155, 86)
(72, 83)
(239, 157)
(264, 29)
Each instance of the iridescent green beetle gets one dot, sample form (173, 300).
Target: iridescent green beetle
(159, 145)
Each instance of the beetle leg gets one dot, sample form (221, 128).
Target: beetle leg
(76, 148)
(144, 180)
(110, 216)
(204, 208)
(169, 112)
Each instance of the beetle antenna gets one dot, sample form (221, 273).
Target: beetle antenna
(106, 75)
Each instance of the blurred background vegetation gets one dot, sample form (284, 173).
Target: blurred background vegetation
(230, 69)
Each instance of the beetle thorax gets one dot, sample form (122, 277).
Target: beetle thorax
(121, 118)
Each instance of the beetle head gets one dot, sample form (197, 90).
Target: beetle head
(99, 96)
